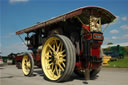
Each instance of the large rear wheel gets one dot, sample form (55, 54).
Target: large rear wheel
(27, 64)
(58, 58)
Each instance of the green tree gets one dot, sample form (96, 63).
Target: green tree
(110, 43)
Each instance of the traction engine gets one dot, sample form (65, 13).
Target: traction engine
(66, 44)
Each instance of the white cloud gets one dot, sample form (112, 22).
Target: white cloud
(17, 1)
(106, 38)
(114, 37)
(124, 37)
(103, 26)
(124, 27)
(13, 48)
(18, 46)
(114, 31)
(9, 35)
(124, 18)
(117, 17)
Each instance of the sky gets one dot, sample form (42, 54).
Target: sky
(19, 14)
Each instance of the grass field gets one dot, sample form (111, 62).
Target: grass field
(122, 63)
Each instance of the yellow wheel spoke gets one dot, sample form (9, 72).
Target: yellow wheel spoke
(63, 64)
(58, 47)
(49, 60)
(59, 71)
(56, 70)
(62, 60)
(61, 46)
(62, 56)
(56, 43)
(28, 64)
(62, 51)
(50, 51)
(51, 47)
(61, 67)
(52, 66)
(54, 47)
(47, 56)
(48, 67)
(25, 59)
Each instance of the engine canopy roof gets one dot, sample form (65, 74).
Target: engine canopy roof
(83, 13)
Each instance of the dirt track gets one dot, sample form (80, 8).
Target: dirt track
(10, 75)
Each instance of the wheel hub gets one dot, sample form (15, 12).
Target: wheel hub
(56, 58)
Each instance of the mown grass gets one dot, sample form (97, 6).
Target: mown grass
(122, 63)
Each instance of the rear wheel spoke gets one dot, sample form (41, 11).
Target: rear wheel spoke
(58, 47)
(61, 67)
(51, 47)
(57, 71)
(63, 64)
(62, 56)
(61, 46)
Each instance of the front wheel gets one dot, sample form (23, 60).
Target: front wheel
(58, 58)
(27, 64)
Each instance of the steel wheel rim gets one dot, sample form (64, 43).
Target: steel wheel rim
(53, 58)
(26, 65)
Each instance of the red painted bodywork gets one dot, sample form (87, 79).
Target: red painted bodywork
(95, 52)
(38, 59)
(19, 58)
(97, 34)
(94, 48)
(86, 27)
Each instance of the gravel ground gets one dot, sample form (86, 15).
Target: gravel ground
(10, 75)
